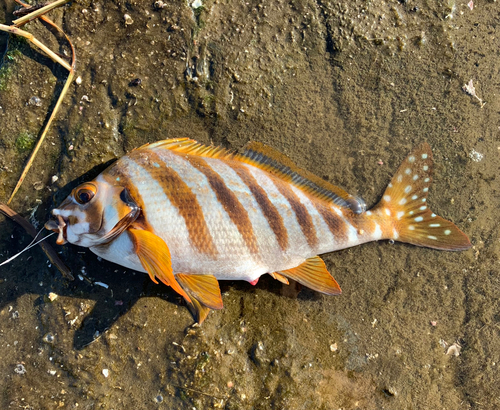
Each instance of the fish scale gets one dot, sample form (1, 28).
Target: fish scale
(190, 215)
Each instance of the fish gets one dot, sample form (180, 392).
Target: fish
(190, 215)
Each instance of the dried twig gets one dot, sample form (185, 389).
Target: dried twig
(49, 251)
(14, 29)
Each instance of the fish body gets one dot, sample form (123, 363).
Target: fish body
(190, 215)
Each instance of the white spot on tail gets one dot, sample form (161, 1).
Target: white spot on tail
(407, 171)
(426, 167)
(415, 177)
(419, 219)
(425, 189)
(411, 227)
(377, 233)
(424, 156)
(447, 232)
(411, 158)
(434, 225)
(387, 212)
(402, 202)
(400, 178)
(423, 208)
(387, 198)
(414, 197)
(368, 213)
(408, 189)
(400, 214)
(426, 179)
(432, 237)
(433, 215)
(395, 234)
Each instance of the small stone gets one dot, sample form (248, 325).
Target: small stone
(54, 178)
(128, 19)
(37, 102)
(20, 369)
(433, 323)
(333, 347)
(454, 349)
(53, 296)
(78, 80)
(105, 372)
(159, 398)
(48, 338)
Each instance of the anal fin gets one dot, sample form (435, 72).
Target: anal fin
(313, 274)
(154, 255)
(279, 277)
(204, 292)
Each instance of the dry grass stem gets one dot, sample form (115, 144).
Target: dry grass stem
(14, 29)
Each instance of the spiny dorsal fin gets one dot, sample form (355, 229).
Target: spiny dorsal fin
(191, 147)
(405, 202)
(278, 164)
(313, 274)
(272, 161)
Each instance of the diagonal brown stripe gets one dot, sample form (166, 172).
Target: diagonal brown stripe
(336, 225)
(181, 196)
(268, 209)
(229, 202)
(303, 217)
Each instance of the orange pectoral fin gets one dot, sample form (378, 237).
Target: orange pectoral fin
(313, 274)
(154, 255)
(204, 291)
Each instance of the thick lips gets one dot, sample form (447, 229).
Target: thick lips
(59, 226)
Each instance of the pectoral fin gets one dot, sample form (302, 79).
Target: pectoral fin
(204, 291)
(313, 274)
(154, 255)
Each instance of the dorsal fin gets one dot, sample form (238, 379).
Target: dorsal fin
(191, 147)
(272, 161)
(278, 164)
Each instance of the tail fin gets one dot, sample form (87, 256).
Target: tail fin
(405, 203)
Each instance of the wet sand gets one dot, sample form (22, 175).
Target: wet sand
(345, 89)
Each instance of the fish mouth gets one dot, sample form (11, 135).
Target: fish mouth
(58, 226)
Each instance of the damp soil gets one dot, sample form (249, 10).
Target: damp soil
(345, 89)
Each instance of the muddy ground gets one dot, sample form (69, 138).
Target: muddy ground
(345, 89)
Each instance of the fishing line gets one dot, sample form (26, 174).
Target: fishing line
(32, 243)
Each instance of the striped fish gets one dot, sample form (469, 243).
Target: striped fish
(190, 215)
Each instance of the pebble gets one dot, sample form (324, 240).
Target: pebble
(48, 338)
(454, 349)
(20, 369)
(53, 296)
(36, 101)
(105, 372)
(128, 19)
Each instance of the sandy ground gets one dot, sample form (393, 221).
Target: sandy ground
(345, 89)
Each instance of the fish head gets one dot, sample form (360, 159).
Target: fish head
(93, 214)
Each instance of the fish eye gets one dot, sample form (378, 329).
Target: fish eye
(85, 193)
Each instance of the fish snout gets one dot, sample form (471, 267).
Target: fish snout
(58, 226)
